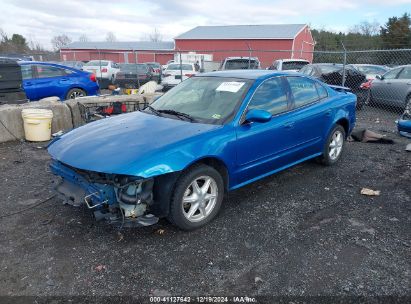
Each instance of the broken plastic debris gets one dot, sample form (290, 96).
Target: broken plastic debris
(370, 192)
(100, 268)
(59, 133)
(160, 231)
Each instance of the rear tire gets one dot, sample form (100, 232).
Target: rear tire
(197, 197)
(333, 147)
(74, 93)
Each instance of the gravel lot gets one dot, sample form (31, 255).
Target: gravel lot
(305, 231)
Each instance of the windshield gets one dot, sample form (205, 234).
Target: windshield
(141, 68)
(213, 100)
(97, 63)
(293, 65)
(241, 64)
(370, 69)
(174, 67)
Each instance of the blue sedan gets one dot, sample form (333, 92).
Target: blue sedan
(213, 133)
(41, 79)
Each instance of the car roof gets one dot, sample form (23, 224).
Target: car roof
(293, 60)
(48, 63)
(244, 57)
(246, 74)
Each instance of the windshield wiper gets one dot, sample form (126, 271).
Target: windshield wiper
(178, 114)
(157, 112)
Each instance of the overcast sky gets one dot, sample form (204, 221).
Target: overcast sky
(40, 20)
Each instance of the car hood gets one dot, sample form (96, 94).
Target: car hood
(125, 143)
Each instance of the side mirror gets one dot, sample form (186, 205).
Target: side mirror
(379, 77)
(256, 115)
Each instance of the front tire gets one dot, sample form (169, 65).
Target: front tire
(74, 93)
(197, 197)
(333, 147)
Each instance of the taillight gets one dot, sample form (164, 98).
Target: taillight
(366, 85)
(104, 70)
(189, 75)
(93, 77)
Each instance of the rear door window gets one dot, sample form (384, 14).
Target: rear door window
(322, 92)
(270, 96)
(392, 74)
(303, 90)
(44, 71)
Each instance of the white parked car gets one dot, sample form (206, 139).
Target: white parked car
(103, 69)
(176, 73)
(292, 65)
(164, 66)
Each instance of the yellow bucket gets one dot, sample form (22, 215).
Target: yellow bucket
(37, 124)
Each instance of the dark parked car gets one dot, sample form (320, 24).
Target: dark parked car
(11, 82)
(157, 70)
(393, 88)
(133, 75)
(41, 79)
(331, 73)
(212, 133)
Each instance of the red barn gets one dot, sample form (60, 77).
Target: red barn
(267, 42)
(120, 52)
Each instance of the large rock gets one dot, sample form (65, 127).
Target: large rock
(11, 122)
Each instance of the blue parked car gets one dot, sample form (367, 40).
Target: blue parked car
(41, 79)
(213, 133)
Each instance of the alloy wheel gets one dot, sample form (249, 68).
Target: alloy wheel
(76, 94)
(336, 144)
(200, 198)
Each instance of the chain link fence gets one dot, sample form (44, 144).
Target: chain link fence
(380, 78)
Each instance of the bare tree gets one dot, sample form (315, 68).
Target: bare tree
(60, 41)
(83, 38)
(35, 46)
(366, 28)
(155, 36)
(110, 37)
(3, 35)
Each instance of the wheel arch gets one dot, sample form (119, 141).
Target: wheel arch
(76, 86)
(164, 184)
(215, 163)
(343, 122)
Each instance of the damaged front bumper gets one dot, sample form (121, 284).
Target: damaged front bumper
(119, 199)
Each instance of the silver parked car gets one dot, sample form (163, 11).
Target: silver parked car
(393, 88)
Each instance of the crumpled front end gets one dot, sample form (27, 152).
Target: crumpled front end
(404, 123)
(120, 199)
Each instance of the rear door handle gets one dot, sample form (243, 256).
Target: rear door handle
(328, 113)
(27, 84)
